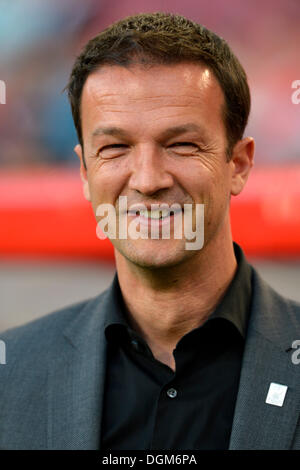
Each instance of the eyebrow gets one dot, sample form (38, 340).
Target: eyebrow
(166, 134)
(115, 131)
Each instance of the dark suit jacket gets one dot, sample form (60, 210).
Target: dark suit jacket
(52, 387)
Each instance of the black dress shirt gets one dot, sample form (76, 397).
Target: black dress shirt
(149, 406)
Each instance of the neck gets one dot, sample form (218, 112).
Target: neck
(164, 304)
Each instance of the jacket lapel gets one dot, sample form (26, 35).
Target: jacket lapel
(76, 381)
(256, 424)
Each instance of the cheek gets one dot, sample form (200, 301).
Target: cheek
(197, 181)
(208, 187)
(106, 183)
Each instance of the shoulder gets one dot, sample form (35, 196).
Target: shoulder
(52, 322)
(272, 312)
(264, 291)
(44, 335)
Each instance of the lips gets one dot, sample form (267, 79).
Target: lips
(154, 211)
(154, 217)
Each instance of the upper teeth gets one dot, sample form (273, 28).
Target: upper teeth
(154, 214)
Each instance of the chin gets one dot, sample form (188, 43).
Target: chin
(153, 254)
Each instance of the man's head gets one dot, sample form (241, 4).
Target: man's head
(160, 105)
(161, 38)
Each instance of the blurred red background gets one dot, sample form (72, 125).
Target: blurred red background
(52, 218)
(42, 210)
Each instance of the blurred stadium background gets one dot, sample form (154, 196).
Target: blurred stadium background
(49, 253)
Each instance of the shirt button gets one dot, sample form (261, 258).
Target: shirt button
(172, 393)
(135, 344)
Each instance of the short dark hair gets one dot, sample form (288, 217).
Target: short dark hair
(164, 38)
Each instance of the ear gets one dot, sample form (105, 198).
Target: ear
(83, 172)
(241, 162)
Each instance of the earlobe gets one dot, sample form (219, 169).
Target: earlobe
(242, 162)
(86, 189)
(83, 172)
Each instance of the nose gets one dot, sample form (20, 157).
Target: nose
(148, 172)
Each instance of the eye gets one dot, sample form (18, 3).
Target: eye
(184, 144)
(184, 148)
(112, 150)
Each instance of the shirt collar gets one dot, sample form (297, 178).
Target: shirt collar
(235, 304)
(116, 313)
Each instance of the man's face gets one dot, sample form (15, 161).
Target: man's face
(156, 135)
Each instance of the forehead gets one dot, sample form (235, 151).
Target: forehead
(159, 91)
